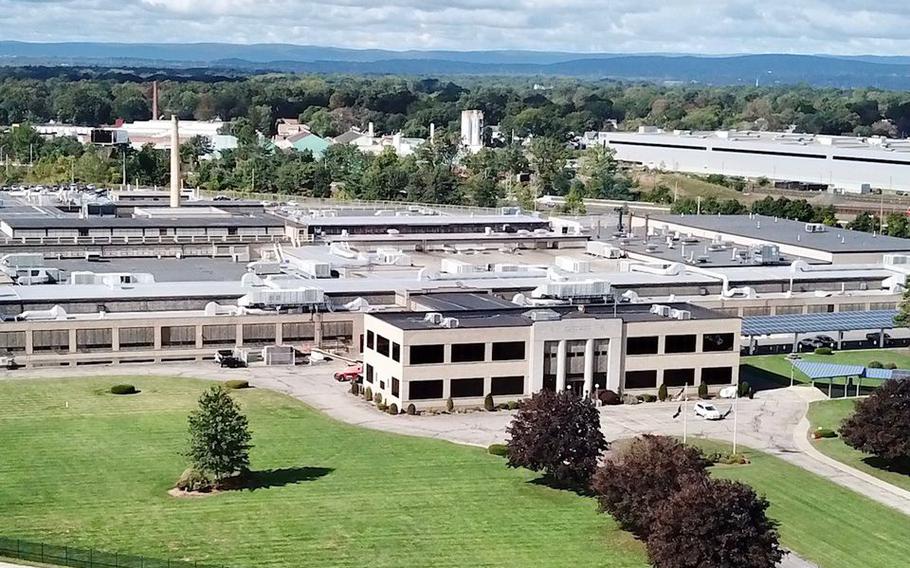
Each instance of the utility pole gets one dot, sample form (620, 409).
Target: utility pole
(735, 414)
(123, 169)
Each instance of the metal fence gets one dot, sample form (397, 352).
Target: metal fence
(43, 553)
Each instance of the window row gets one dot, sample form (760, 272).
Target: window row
(465, 388)
(647, 379)
(384, 346)
(467, 352)
(649, 344)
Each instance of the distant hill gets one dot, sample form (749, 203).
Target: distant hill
(819, 70)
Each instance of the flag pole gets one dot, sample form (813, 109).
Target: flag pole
(685, 412)
(735, 414)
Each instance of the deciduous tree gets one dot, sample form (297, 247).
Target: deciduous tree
(881, 424)
(220, 437)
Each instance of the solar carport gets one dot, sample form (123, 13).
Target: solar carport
(878, 321)
(850, 375)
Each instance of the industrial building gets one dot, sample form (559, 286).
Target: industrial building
(851, 164)
(424, 358)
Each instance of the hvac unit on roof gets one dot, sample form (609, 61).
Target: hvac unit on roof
(450, 323)
(816, 228)
(661, 310)
(434, 318)
(680, 314)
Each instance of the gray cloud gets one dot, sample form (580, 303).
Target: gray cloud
(722, 26)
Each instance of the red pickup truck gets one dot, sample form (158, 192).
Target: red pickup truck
(352, 373)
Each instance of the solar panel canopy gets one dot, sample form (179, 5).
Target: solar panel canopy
(819, 322)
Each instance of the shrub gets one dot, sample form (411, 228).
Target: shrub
(368, 394)
(609, 398)
(823, 433)
(713, 522)
(498, 450)
(377, 398)
(194, 480)
(393, 409)
(727, 458)
(235, 384)
(648, 398)
(702, 390)
(450, 404)
(662, 392)
(411, 410)
(824, 351)
(502, 406)
(879, 424)
(744, 389)
(637, 477)
(559, 434)
(890, 365)
(488, 403)
(875, 365)
(513, 405)
(123, 389)
(355, 388)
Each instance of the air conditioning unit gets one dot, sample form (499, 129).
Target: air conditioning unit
(434, 318)
(816, 228)
(450, 323)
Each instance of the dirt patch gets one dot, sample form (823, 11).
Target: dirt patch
(181, 494)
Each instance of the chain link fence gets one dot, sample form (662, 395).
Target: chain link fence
(43, 553)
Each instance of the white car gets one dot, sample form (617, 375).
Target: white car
(707, 411)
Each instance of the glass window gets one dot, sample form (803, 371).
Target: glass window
(424, 390)
(641, 379)
(463, 388)
(718, 342)
(368, 377)
(507, 385)
(371, 340)
(679, 377)
(679, 344)
(508, 350)
(396, 352)
(382, 345)
(466, 352)
(641, 345)
(396, 385)
(427, 354)
(717, 375)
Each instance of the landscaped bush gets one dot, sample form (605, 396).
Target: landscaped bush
(411, 410)
(609, 398)
(381, 405)
(823, 351)
(744, 389)
(875, 365)
(648, 398)
(502, 406)
(355, 388)
(368, 394)
(235, 384)
(890, 365)
(123, 389)
(450, 404)
(703, 390)
(498, 449)
(488, 403)
(194, 480)
(727, 458)
(823, 433)
(377, 398)
(662, 394)
(393, 409)
(513, 405)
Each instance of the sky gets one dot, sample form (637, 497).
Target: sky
(613, 26)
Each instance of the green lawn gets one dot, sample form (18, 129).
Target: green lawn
(776, 368)
(95, 474)
(826, 523)
(830, 414)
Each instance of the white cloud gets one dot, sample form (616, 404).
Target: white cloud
(723, 26)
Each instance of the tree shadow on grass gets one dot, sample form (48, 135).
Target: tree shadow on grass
(553, 483)
(761, 379)
(901, 467)
(284, 476)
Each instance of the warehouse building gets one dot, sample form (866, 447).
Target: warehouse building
(842, 162)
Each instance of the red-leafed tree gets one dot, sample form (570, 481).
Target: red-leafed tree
(713, 522)
(558, 434)
(638, 476)
(881, 424)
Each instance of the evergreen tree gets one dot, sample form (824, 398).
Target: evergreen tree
(219, 435)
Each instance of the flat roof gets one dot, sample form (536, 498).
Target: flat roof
(447, 301)
(522, 316)
(163, 269)
(72, 222)
(418, 220)
(785, 231)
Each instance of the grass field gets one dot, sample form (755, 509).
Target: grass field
(686, 186)
(776, 368)
(95, 474)
(830, 414)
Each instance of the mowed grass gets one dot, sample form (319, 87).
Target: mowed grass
(830, 414)
(830, 525)
(96, 474)
(777, 368)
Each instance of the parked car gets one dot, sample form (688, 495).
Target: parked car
(808, 344)
(351, 373)
(825, 340)
(707, 411)
(227, 358)
(873, 336)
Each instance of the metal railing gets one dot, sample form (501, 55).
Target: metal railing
(43, 553)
